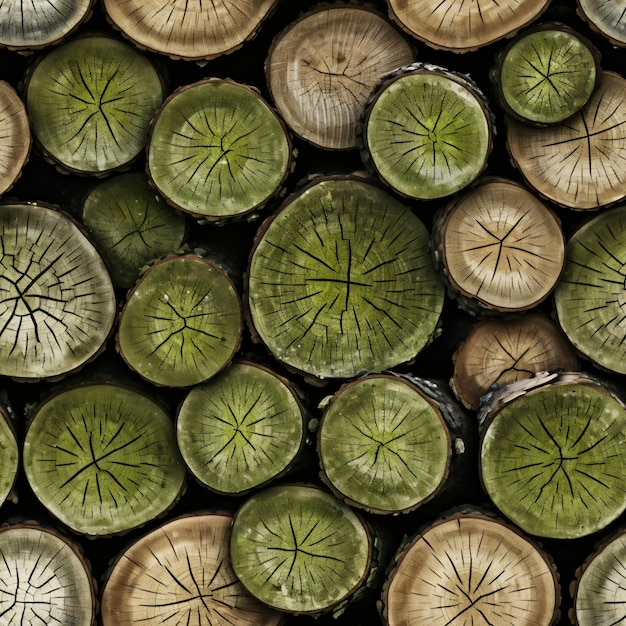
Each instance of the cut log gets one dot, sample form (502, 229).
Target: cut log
(599, 590)
(44, 578)
(217, 150)
(57, 303)
(470, 568)
(464, 26)
(323, 67)
(90, 103)
(300, 550)
(341, 281)
(189, 29)
(606, 18)
(577, 163)
(180, 573)
(502, 351)
(546, 74)
(427, 132)
(589, 299)
(500, 247)
(182, 322)
(102, 458)
(242, 429)
(9, 452)
(384, 445)
(29, 26)
(15, 136)
(131, 225)
(552, 454)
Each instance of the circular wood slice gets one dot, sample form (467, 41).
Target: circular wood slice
(323, 67)
(591, 294)
(15, 136)
(606, 18)
(102, 458)
(180, 573)
(31, 25)
(181, 323)
(131, 225)
(44, 579)
(217, 150)
(577, 163)
(502, 351)
(9, 454)
(90, 103)
(501, 247)
(241, 429)
(189, 29)
(547, 74)
(553, 452)
(57, 303)
(298, 549)
(464, 26)
(341, 281)
(599, 591)
(427, 132)
(471, 569)
(383, 445)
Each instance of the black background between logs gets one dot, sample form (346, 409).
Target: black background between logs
(41, 182)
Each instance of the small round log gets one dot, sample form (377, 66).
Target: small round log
(189, 29)
(102, 458)
(90, 103)
(500, 247)
(44, 578)
(242, 429)
(546, 74)
(15, 137)
(341, 282)
(180, 573)
(577, 163)
(131, 225)
(427, 132)
(470, 568)
(323, 67)
(464, 26)
(552, 454)
(57, 303)
(217, 150)
(181, 323)
(502, 351)
(606, 18)
(589, 299)
(299, 549)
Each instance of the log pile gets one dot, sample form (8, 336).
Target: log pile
(312, 310)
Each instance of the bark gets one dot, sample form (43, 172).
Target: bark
(242, 429)
(577, 163)
(500, 247)
(90, 103)
(552, 454)
(57, 304)
(182, 322)
(181, 574)
(188, 29)
(470, 568)
(340, 281)
(102, 458)
(218, 151)
(15, 135)
(323, 67)
(427, 132)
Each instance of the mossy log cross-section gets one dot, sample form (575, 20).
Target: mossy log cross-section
(102, 458)
(341, 281)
